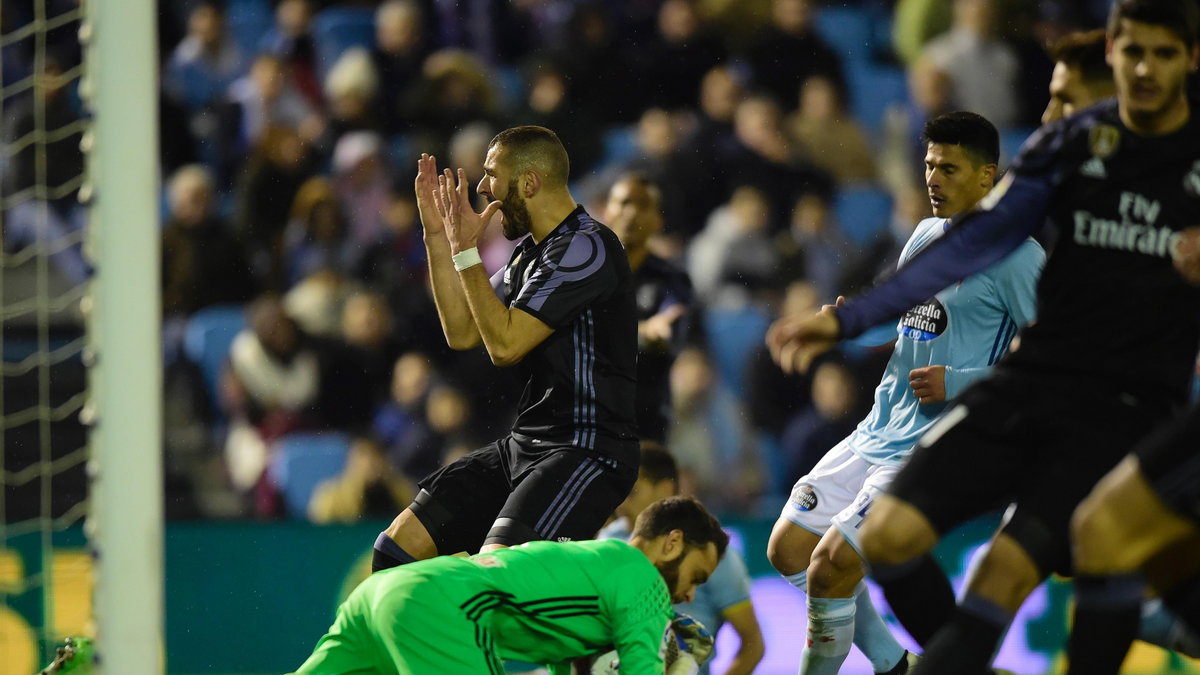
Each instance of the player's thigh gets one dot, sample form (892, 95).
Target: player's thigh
(567, 495)
(458, 503)
(828, 488)
(836, 567)
(1093, 435)
(790, 547)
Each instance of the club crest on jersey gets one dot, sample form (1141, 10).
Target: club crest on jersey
(1103, 140)
(1191, 182)
(926, 321)
(805, 498)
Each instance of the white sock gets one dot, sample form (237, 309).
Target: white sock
(872, 635)
(830, 634)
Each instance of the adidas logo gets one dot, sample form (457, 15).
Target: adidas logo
(1093, 168)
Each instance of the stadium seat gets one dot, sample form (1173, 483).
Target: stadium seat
(848, 30)
(733, 336)
(248, 21)
(300, 462)
(873, 89)
(337, 29)
(862, 211)
(206, 342)
(1010, 143)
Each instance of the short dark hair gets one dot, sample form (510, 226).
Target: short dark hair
(538, 148)
(972, 131)
(1181, 17)
(700, 528)
(658, 465)
(1084, 50)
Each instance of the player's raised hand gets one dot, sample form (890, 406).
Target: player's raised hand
(1187, 255)
(795, 341)
(426, 188)
(463, 225)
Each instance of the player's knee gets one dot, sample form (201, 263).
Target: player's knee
(831, 575)
(1096, 539)
(784, 556)
(1006, 574)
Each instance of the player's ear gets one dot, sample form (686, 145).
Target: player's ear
(673, 545)
(988, 176)
(531, 184)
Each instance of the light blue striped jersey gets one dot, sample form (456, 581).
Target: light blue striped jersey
(966, 327)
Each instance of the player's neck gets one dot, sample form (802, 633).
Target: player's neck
(545, 217)
(1169, 120)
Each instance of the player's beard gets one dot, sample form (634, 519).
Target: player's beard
(517, 221)
(670, 574)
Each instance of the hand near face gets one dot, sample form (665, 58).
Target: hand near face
(463, 225)
(426, 188)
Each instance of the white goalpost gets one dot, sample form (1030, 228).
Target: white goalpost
(125, 523)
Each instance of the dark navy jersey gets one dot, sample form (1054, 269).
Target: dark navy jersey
(581, 381)
(658, 286)
(1111, 307)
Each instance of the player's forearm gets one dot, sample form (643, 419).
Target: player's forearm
(457, 323)
(489, 315)
(747, 658)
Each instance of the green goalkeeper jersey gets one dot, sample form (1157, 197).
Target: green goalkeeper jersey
(541, 602)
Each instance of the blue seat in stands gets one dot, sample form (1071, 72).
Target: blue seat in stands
(1010, 143)
(873, 89)
(733, 337)
(301, 461)
(848, 30)
(862, 211)
(337, 29)
(206, 342)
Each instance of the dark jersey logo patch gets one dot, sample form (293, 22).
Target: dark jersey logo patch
(806, 498)
(926, 321)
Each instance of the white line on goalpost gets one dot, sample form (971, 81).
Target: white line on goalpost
(126, 522)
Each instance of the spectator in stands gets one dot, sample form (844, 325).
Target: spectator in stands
(597, 64)
(813, 249)
(316, 237)
(369, 487)
(703, 170)
(969, 68)
(362, 184)
(266, 98)
(826, 135)
(717, 454)
(675, 61)
(404, 411)
(789, 51)
(455, 89)
(269, 389)
(766, 158)
(370, 349)
(316, 303)
(202, 263)
(291, 40)
(206, 62)
(548, 104)
(352, 87)
(42, 192)
(833, 415)
(733, 262)
(264, 196)
(401, 46)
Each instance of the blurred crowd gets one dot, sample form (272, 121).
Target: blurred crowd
(289, 137)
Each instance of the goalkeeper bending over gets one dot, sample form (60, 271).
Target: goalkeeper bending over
(541, 602)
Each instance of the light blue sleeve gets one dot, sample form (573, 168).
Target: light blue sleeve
(730, 582)
(878, 336)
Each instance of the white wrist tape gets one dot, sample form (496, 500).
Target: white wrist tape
(468, 258)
